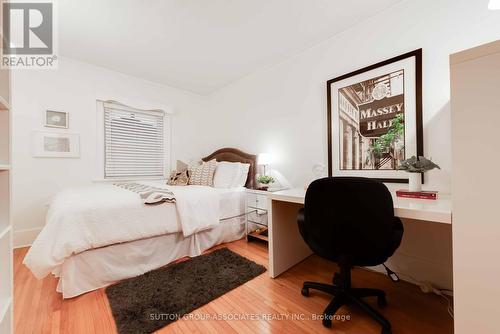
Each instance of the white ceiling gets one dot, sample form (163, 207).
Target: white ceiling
(200, 45)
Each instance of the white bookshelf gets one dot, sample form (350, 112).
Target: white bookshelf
(475, 77)
(4, 105)
(6, 255)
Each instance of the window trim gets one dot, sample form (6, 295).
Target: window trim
(100, 148)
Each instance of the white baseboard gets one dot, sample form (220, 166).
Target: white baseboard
(24, 238)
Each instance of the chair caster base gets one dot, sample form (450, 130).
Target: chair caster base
(337, 280)
(345, 294)
(381, 301)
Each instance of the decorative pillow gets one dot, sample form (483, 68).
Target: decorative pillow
(181, 166)
(226, 174)
(178, 178)
(203, 175)
(193, 165)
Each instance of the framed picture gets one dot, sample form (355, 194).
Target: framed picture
(375, 119)
(56, 119)
(56, 145)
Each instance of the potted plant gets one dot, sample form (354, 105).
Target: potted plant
(264, 181)
(415, 166)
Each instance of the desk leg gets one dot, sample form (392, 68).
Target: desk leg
(286, 246)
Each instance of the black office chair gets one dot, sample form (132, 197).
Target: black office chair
(350, 221)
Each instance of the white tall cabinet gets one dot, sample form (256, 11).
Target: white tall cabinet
(475, 119)
(6, 284)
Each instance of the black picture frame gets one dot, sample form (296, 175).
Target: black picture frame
(417, 54)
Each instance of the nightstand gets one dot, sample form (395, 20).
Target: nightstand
(256, 214)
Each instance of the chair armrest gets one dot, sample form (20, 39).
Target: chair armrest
(301, 221)
(398, 232)
(300, 216)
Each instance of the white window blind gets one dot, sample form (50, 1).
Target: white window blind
(134, 142)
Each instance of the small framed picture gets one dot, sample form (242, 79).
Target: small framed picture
(56, 145)
(56, 119)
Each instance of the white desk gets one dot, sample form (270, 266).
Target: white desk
(286, 246)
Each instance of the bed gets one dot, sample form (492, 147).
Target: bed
(97, 235)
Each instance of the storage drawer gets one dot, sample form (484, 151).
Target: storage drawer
(258, 217)
(257, 201)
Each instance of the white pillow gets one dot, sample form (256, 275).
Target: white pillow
(242, 176)
(226, 174)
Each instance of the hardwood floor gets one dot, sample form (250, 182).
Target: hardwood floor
(39, 309)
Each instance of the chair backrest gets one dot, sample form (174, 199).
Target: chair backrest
(350, 218)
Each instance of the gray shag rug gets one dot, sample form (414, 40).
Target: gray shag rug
(146, 303)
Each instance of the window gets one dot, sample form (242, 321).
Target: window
(134, 142)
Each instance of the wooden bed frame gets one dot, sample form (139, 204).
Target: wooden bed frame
(235, 155)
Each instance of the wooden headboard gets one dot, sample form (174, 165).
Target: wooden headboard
(235, 155)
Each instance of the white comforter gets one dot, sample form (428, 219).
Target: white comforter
(86, 218)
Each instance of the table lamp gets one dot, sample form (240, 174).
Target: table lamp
(264, 159)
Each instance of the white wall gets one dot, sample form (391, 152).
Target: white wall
(74, 87)
(282, 109)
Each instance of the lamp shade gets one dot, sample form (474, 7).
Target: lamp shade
(264, 159)
(494, 5)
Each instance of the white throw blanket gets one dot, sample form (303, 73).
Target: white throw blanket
(86, 218)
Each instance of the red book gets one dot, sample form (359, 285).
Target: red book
(417, 194)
